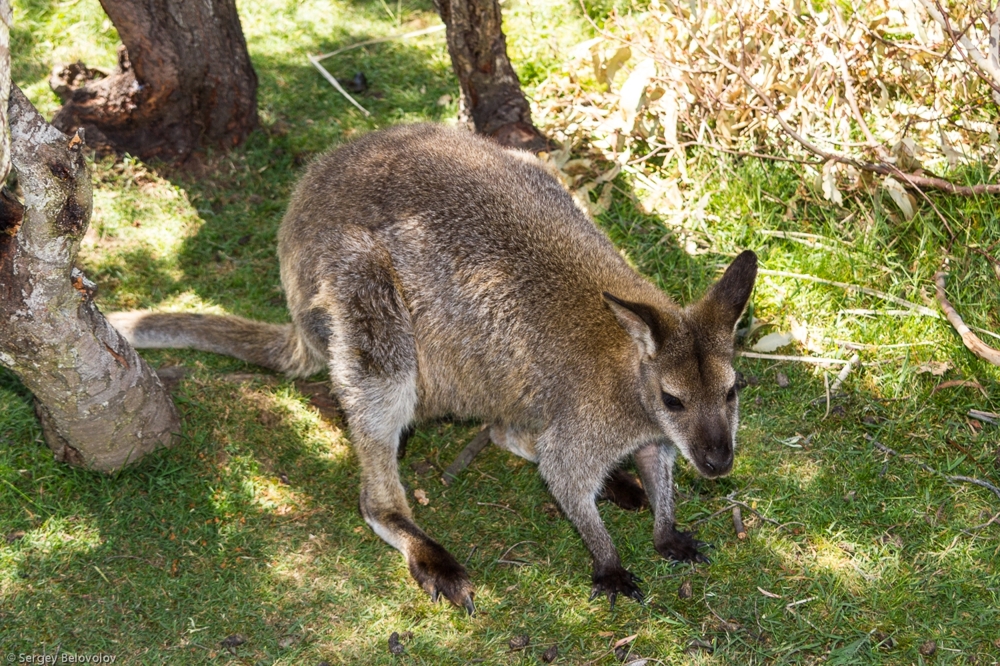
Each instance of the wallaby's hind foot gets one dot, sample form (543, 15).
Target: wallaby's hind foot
(431, 565)
(435, 569)
(621, 488)
(681, 547)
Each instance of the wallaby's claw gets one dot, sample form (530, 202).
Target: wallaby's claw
(682, 547)
(440, 574)
(614, 582)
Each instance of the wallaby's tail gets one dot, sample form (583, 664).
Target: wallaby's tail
(273, 346)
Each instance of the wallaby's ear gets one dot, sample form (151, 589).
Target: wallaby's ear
(640, 321)
(724, 302)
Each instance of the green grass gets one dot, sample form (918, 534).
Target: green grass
(164, 561)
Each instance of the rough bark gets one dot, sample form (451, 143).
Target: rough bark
(491, 91)
(100, 405)
(184, 81)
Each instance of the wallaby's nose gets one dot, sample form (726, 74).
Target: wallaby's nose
(719, 461)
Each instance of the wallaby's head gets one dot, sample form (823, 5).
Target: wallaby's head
(686, 369)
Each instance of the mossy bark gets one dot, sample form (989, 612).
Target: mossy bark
(100, 405)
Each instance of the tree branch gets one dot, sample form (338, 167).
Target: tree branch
(971, 340)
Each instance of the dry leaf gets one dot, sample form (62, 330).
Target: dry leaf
(936, 368)
(829, 181)
(625, 641)
(634, 90)
(906, 201)
(772, 341)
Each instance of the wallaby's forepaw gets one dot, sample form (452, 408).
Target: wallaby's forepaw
(613, 582)
(440, 574)
(682, 547)
(622, 489)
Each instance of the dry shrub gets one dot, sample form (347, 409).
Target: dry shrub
(880, 93)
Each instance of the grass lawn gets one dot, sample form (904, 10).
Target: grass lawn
(243, 543)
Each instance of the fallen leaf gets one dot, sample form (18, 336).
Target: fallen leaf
(907, 202)
(936, 368)
(769, 595)
(772, 341)
(685, 590)
(634, 90)
(625, 641)
(830, 190)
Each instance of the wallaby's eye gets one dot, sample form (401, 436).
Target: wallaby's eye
(672, 402)
(732, 394)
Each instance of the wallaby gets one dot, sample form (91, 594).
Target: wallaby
(434, 274)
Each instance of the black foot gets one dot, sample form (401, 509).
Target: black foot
(622, 489)
(613, 582)
(682, 547)
(439, 573)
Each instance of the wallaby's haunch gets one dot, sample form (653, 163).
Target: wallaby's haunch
(435, 273)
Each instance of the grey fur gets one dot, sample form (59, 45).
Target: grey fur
(437, 274)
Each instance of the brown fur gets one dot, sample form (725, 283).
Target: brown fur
(435, 273)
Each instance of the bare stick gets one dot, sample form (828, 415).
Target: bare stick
(477, 444)
(333, 81)
(826, 385)
(988, 417)
(741, 531)
(971, 340)
(799, 359)
(851, 364)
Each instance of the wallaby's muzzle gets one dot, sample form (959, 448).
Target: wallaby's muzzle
(713, 454)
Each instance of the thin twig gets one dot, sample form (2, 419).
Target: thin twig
(756, 512)
(499, 506)
(927, 468)
(333, 81)
(919, 309)
(986, 524)
(503, 558)
(369, 42)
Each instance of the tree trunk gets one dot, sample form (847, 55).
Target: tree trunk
(491, 91)
(6, 21)
(184, 81)
(101, 406)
